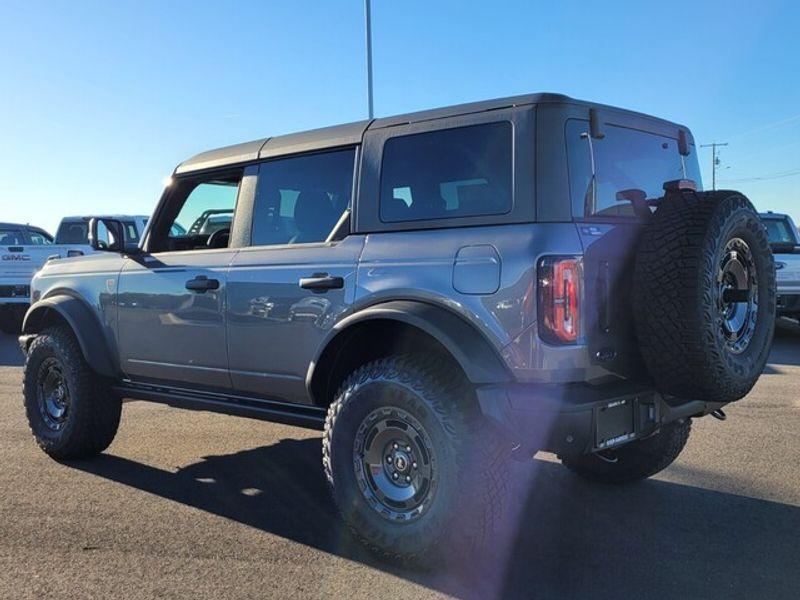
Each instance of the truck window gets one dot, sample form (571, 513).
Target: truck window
(39, 238)
(624, 159)
(459, 172)
(779, 231)
(131, 231)
(73, 232)
(11, 237)
(299, 200)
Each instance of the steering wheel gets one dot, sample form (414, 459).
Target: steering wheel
(219, 239)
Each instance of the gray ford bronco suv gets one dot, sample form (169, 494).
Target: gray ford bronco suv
(438, 292)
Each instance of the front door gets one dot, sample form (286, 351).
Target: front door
(297, 277)
(171, 300)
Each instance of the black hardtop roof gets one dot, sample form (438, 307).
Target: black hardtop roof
(351, 133)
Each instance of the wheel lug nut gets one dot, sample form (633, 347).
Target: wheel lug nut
(408, 479)
(408, 448)
(413, 465)
(395, 446)
(395, 476)
(389, 459)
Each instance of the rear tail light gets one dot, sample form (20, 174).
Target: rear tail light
(559, 299)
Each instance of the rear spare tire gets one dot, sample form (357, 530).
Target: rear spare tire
(704, 296)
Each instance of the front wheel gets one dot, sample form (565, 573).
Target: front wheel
(70, 410)
(636, 460)
(410, 462)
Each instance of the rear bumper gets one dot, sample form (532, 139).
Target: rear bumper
(576, 419)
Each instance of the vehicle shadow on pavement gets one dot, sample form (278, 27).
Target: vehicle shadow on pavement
(565, 538)
(785, 347)
(10, 353)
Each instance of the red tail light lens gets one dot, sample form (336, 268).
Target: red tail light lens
(559, 299)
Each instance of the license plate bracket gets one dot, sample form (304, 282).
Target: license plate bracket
(615, 423)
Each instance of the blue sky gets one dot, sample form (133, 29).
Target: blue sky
(100, 100)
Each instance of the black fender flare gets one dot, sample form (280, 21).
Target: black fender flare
(476, 356)
(84, 324)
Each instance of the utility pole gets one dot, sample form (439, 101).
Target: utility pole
(714, 159)
(368, 18)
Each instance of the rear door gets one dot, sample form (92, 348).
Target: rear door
(632, 154)
(298, 275)
(171, 300)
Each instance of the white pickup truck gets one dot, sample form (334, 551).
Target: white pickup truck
(25, 248)
(785, 242)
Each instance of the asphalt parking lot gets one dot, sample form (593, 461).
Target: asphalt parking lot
(199, 505)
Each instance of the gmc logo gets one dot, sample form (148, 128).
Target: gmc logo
(16, 257)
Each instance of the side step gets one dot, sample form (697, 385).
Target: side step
(299, 415)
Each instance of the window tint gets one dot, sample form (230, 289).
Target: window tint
(73, 232)
(39, 238)
(299, 200)
(625, 159)
(131, 232)
(11, 237)
(460, 172)
(779, 231)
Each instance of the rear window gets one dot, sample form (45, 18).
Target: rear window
(131, 231)
(779, 231)
(451, 173)
(73, 232)
(625, 159)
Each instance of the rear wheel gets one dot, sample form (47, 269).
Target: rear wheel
(71, 411)
(410, 461)
(636, 460)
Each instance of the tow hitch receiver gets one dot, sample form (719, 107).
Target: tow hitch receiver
(615, 423)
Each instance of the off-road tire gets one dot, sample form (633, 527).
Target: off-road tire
(635, 461)
(93, 412)
(677, 296)
(472, 460)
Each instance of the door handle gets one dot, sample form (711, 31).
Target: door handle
(321, 282)
(201, 284)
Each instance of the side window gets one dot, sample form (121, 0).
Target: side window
(459, 172)
(11, 237)
(203, 210)
(39, 238)
(299, 200)
(625, 159)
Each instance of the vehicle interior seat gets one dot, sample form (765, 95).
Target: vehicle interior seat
(314, 217)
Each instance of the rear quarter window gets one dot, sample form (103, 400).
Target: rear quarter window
(449, 173)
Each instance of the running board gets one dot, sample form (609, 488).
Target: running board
(299, 415)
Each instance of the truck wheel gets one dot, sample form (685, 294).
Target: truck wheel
(636, 460)
(704, 296)
(412, 466)
(70, 409)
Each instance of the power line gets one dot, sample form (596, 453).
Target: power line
(768, 177)
(714, 160)
(768, 126)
